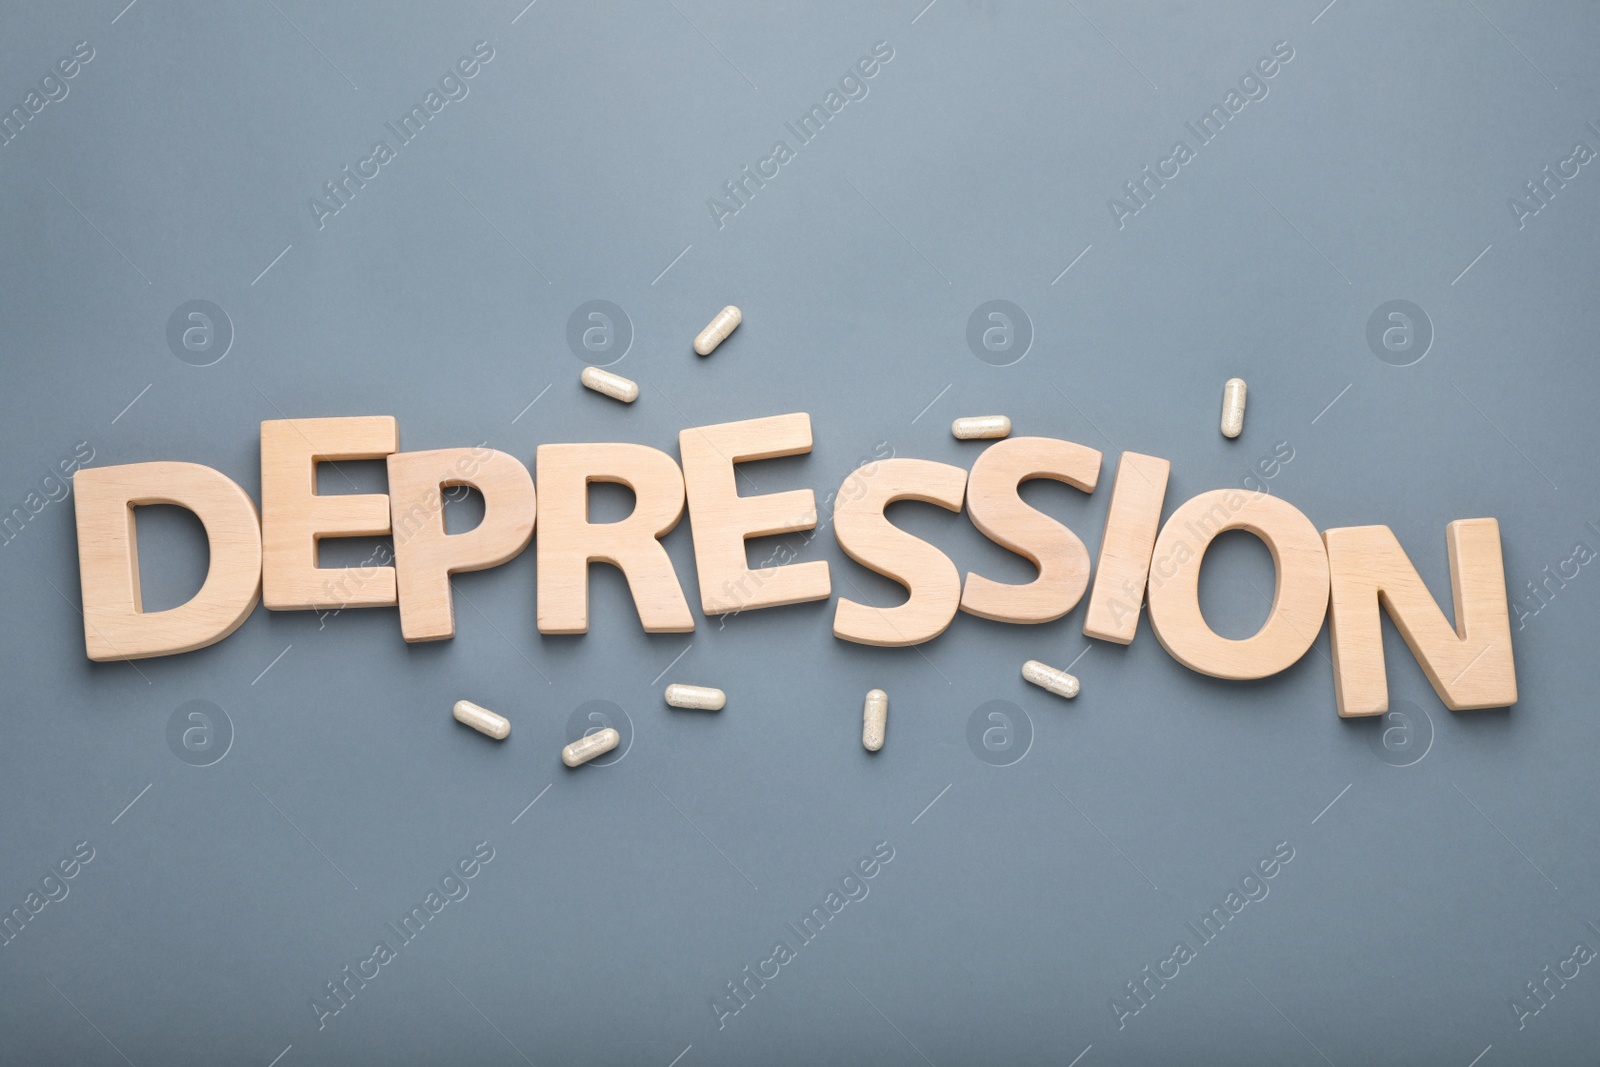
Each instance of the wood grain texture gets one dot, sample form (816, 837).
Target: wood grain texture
(1470, 664)
(568, 542)
(723, 520)
(115, 624)
(999, 512)
(1125, 549)
(295, 517)
(872, 541)
(1300, 598)
(425, 556)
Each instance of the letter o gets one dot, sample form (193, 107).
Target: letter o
(1299, 602)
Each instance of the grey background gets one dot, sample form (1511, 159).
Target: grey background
(978, 167)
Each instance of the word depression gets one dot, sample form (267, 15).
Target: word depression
(1347, 575)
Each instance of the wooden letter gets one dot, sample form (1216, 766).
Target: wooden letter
(1130, 537)
(425, 556)
(295, 517)
(1298, 604)
(1469, 664)
(722, 519)
(569, 542)
(872, 541)
(998, 511)
(115, 624)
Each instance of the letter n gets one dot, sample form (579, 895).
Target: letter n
(1470, 664)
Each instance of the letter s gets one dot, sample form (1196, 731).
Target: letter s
(869, 538)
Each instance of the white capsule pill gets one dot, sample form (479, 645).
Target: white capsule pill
(1233, 407)
(981, 426)
(698, 697)
(613, 385)
(1060, 683)
(727, 320)
(587, 748)
(874, 717)
(483, 720)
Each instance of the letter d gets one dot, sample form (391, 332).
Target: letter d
(115, 625)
